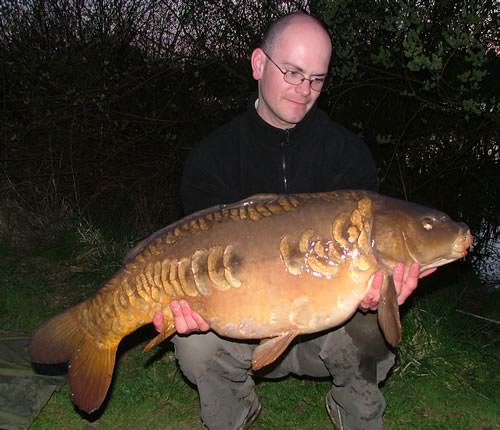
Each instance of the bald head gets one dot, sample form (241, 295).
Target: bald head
(299, 22)
(295, 46)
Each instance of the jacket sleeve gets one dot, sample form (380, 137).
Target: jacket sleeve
(349, 163)
(209, 175)
(359, 170)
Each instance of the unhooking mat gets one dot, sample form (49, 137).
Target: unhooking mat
(23, 392)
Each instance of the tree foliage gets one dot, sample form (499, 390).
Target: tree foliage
(102, 99)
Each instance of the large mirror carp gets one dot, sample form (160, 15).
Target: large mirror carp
(269, 267)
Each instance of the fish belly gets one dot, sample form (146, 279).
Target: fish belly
(274, 301)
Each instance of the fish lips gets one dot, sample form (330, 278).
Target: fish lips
(463, 242)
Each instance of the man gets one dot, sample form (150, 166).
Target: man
(284, 144)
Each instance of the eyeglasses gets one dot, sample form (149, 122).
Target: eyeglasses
(296, 78)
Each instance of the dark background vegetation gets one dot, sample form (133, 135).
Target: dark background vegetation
(101, 100)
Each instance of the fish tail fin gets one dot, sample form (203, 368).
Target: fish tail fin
(89, 375)
(90, 362)
(55, 341)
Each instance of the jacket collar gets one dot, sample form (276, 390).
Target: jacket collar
(270, 135)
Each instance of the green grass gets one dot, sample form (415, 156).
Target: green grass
(446, 377)
(447, 374)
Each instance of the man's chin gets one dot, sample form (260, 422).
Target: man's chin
(289, 118)
(296, 113)
(293, 120)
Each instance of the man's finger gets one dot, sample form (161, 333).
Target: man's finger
(187, 313)
(372, 298)
(398, 275)
(427, 272)
(158, 322)
(195, 322)
(410, 283)
(414, 271)
(202, 324)
(180, 322)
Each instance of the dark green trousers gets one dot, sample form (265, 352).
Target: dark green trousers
(355, 356)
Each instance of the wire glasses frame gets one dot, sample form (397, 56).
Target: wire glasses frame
(296, 78)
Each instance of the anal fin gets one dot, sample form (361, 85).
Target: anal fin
(270, 349)
(388, 313)
(169, 331)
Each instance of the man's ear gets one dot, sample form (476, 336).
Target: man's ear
(258, 59)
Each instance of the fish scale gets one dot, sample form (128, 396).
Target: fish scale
(269, 267)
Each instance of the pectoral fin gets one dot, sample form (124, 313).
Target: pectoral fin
(388, 312)
(169, 331)
(270, 349)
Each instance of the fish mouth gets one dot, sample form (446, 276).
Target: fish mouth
(462, 244)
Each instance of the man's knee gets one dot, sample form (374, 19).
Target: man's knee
(199, 354)
(194, 352)
(357, 350)
(366, 335)
(374, 355)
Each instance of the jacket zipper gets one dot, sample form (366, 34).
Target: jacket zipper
(284, 142)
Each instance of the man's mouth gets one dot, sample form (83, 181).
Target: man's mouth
(297, 102)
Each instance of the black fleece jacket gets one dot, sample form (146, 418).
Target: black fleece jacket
(247, 156)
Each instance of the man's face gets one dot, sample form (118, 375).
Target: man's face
(302, 47)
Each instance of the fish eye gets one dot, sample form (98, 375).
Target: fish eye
(427, 223)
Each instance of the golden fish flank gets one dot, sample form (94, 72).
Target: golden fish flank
(350, 234)
(192, 276)
(269, 267)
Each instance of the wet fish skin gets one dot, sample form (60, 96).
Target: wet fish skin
(268, 267)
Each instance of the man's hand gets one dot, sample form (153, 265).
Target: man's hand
(404, 287)
(186, 320)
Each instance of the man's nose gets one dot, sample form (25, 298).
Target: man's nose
(304, 87)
